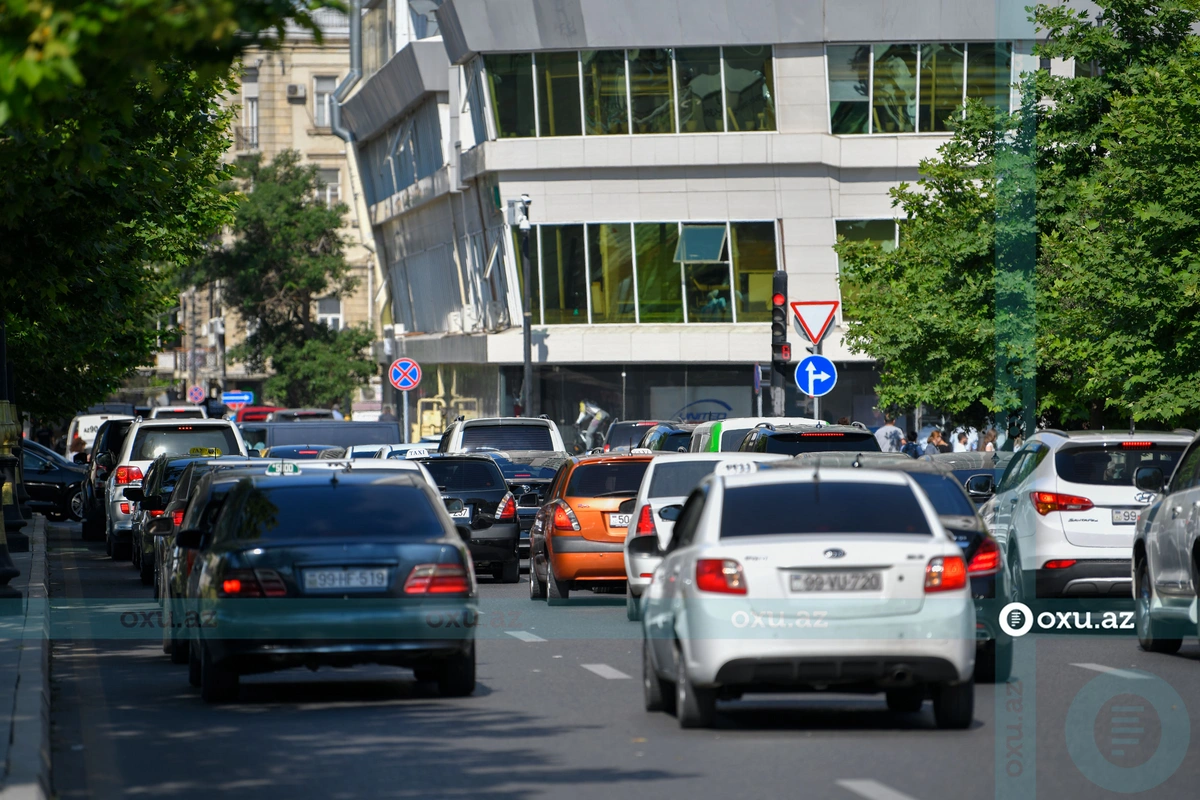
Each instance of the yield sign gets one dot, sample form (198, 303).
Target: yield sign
(815, 317)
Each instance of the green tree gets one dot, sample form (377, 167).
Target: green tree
(287, 251)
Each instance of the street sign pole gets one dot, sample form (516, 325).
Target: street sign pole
(405, 436)
(816, 400)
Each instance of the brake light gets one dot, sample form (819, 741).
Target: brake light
(825, 433)
(986, 560)
(945, 574)
(177, 517)
(128, 475)
(508, 509)
(1137, 445)
(307, 452)
(645, 523)
(126, 508)
(1059, 563)
(155, 514)
(723, 575)
(272, 585)
(1045, 502)
(607, 447)
(564, 518)
(240, 583)
(437, 579)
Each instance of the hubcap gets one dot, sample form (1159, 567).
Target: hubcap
(1143, 604)
(77, 504)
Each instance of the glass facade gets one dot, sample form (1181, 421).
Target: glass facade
(610, 255)
(564, 275)
(659, 285)
(607, 92)
(754, 262)
(913, 88)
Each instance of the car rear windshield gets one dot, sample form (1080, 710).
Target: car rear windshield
(340, 510)
(507, 437)
(676, 442)
(732, 439)
(1114, 465)
(790, 444)
(679, 478)
(627, 434)
(177, 440)
(604, 480)
(821, 508)
(187, 413)
(465, 474)
(945, 493)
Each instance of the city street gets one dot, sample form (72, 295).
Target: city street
(558, 712)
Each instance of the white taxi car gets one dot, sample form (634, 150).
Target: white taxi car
(802, 579)
(668, 481)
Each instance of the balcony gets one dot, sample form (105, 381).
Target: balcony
(246, 137)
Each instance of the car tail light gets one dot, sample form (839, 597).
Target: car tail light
(437, 579)
(1059, 563)
(177, 517)
(126, 508)
(155, 513)
(507, 510)
(607, 447)
(253, 583)
(945, 574)
(723, 575)
(1137, 445)
(272, 585)
(825, 433)
(986, 560)
(127, 475)
(645, 523)
(1045, 502)
(564, 518)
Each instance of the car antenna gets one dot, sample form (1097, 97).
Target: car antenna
(857, 461)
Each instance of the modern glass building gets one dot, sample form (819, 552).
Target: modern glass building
(677, 153)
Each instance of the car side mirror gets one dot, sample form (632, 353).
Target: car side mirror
(191, 539)
(1149, 479)
(453, 505)
(626, 506)
(981, 487)
(159, 526)
(134, 493)
(80, 458)
(670, 513)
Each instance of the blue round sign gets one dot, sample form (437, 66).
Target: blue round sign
(405, 374)
(816, 376)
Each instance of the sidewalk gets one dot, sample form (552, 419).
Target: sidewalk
(25, 678)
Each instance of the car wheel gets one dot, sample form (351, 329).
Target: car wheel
(1149, 634)
(1016, 578)
(511, 571)
(457, 675)
(557, 591)
(633, 609)
(537, 591)
(218, 684)
(658, 695)
(907, 700)
(76, 505)
(694, 708)
(993, 661)
(954, 705)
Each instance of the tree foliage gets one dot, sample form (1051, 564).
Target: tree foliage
(286, 252)
(1062, 239)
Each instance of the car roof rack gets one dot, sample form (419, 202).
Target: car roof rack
(768, 425)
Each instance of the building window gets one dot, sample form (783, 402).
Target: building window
(913, 88)
(329, 188)
(519, 244)
(247, 138)
(558, 94)
(660, 295)
(510, 82)
(404, 154)
(698, 81)
(605, 92)
(564, 275)
(882, 232)
(749, 88)
(329, 312)
(323, 89)
(651, 91)
(610, 272)
(754, 265)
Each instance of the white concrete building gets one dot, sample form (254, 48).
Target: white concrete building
(677, 153)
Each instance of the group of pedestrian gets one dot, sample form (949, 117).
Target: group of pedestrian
(893, 440)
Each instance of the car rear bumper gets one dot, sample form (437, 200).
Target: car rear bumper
(1108, 578)
(576, 558)
(867, 672)
(246, 656)
(497, 543)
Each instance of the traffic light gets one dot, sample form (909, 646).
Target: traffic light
(781, 351)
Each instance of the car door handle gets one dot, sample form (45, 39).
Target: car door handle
(1013, 502)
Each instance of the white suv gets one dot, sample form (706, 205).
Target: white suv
(501, 433)
(1066, 509)
(146, 440)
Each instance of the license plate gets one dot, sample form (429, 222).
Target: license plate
(837, 582)
(320, 579)
(464, 514)
(619, 520)
(1125, 516)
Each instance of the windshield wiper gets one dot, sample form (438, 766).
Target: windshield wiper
(618, 492)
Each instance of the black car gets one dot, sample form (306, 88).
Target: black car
(152, 498)
(109, 438)
(624, 435)
(301, 451)
(489, 509)
(375, 586)
(978, 472)
(668, 437)
(791, 440)
(529, 474)
(55, 485)
(983, 554)
(261, 435)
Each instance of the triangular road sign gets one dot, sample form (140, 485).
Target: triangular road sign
(815, 316)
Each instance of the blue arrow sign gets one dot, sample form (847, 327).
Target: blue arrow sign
(245, 398)
(816, 376)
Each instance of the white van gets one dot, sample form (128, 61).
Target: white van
(85, 427)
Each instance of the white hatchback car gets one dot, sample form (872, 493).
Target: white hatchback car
(790, 579)
(668, 481)
(1066, 509)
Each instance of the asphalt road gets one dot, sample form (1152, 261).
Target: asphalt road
(558, 713)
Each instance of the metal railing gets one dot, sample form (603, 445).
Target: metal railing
(246, 137)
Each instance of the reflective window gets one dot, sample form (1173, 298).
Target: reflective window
(749, 88)
(518, 248)
(698, 78)
(849, 89)
(605, 109)
(708, 292)
(941, 85)
(610, 250)
(753, 247)
(652, 96)
(989, 73)
(564, 278)
(558, 94)
(894, 101)
(510, 82)
(658, 278)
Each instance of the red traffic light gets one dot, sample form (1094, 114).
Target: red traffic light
(786, 352)
(778, 299)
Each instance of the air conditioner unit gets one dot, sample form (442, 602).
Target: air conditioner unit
(454, 322)
(295, 91)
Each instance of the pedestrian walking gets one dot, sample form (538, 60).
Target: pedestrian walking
(988, 443)
(911, 447)
(890, 437)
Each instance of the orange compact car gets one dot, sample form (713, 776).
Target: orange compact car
(578, 536)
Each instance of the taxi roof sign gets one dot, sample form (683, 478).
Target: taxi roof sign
(210, 452)
(416, 452)
(284, 468)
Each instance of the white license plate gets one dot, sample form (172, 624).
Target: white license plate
(837, 582)
(337, 578)
(464, 514)
(619, 520)
(1125, 516)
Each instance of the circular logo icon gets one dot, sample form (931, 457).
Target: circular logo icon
(1016, 619)
(834, 552)
(1127, 734)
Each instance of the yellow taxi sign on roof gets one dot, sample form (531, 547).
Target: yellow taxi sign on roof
(284, 468)
(210, 452)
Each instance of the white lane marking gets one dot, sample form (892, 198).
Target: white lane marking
(873, 790)
(1120, 673)
(525, 636)
(605, 671)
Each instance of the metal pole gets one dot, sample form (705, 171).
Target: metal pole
(816, 400)
(406, 435)
(527, 323)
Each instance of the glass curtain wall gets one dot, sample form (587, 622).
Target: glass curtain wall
(564, 275)
(610, 255)
(894, 84)
(660, 296)
(558, 94)
(849, 87)
(605, 110)
(749, 88)
(941, 84)
(510, 82)
(651, 91)
(989, 73)
(754, 263)
(698, 82)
